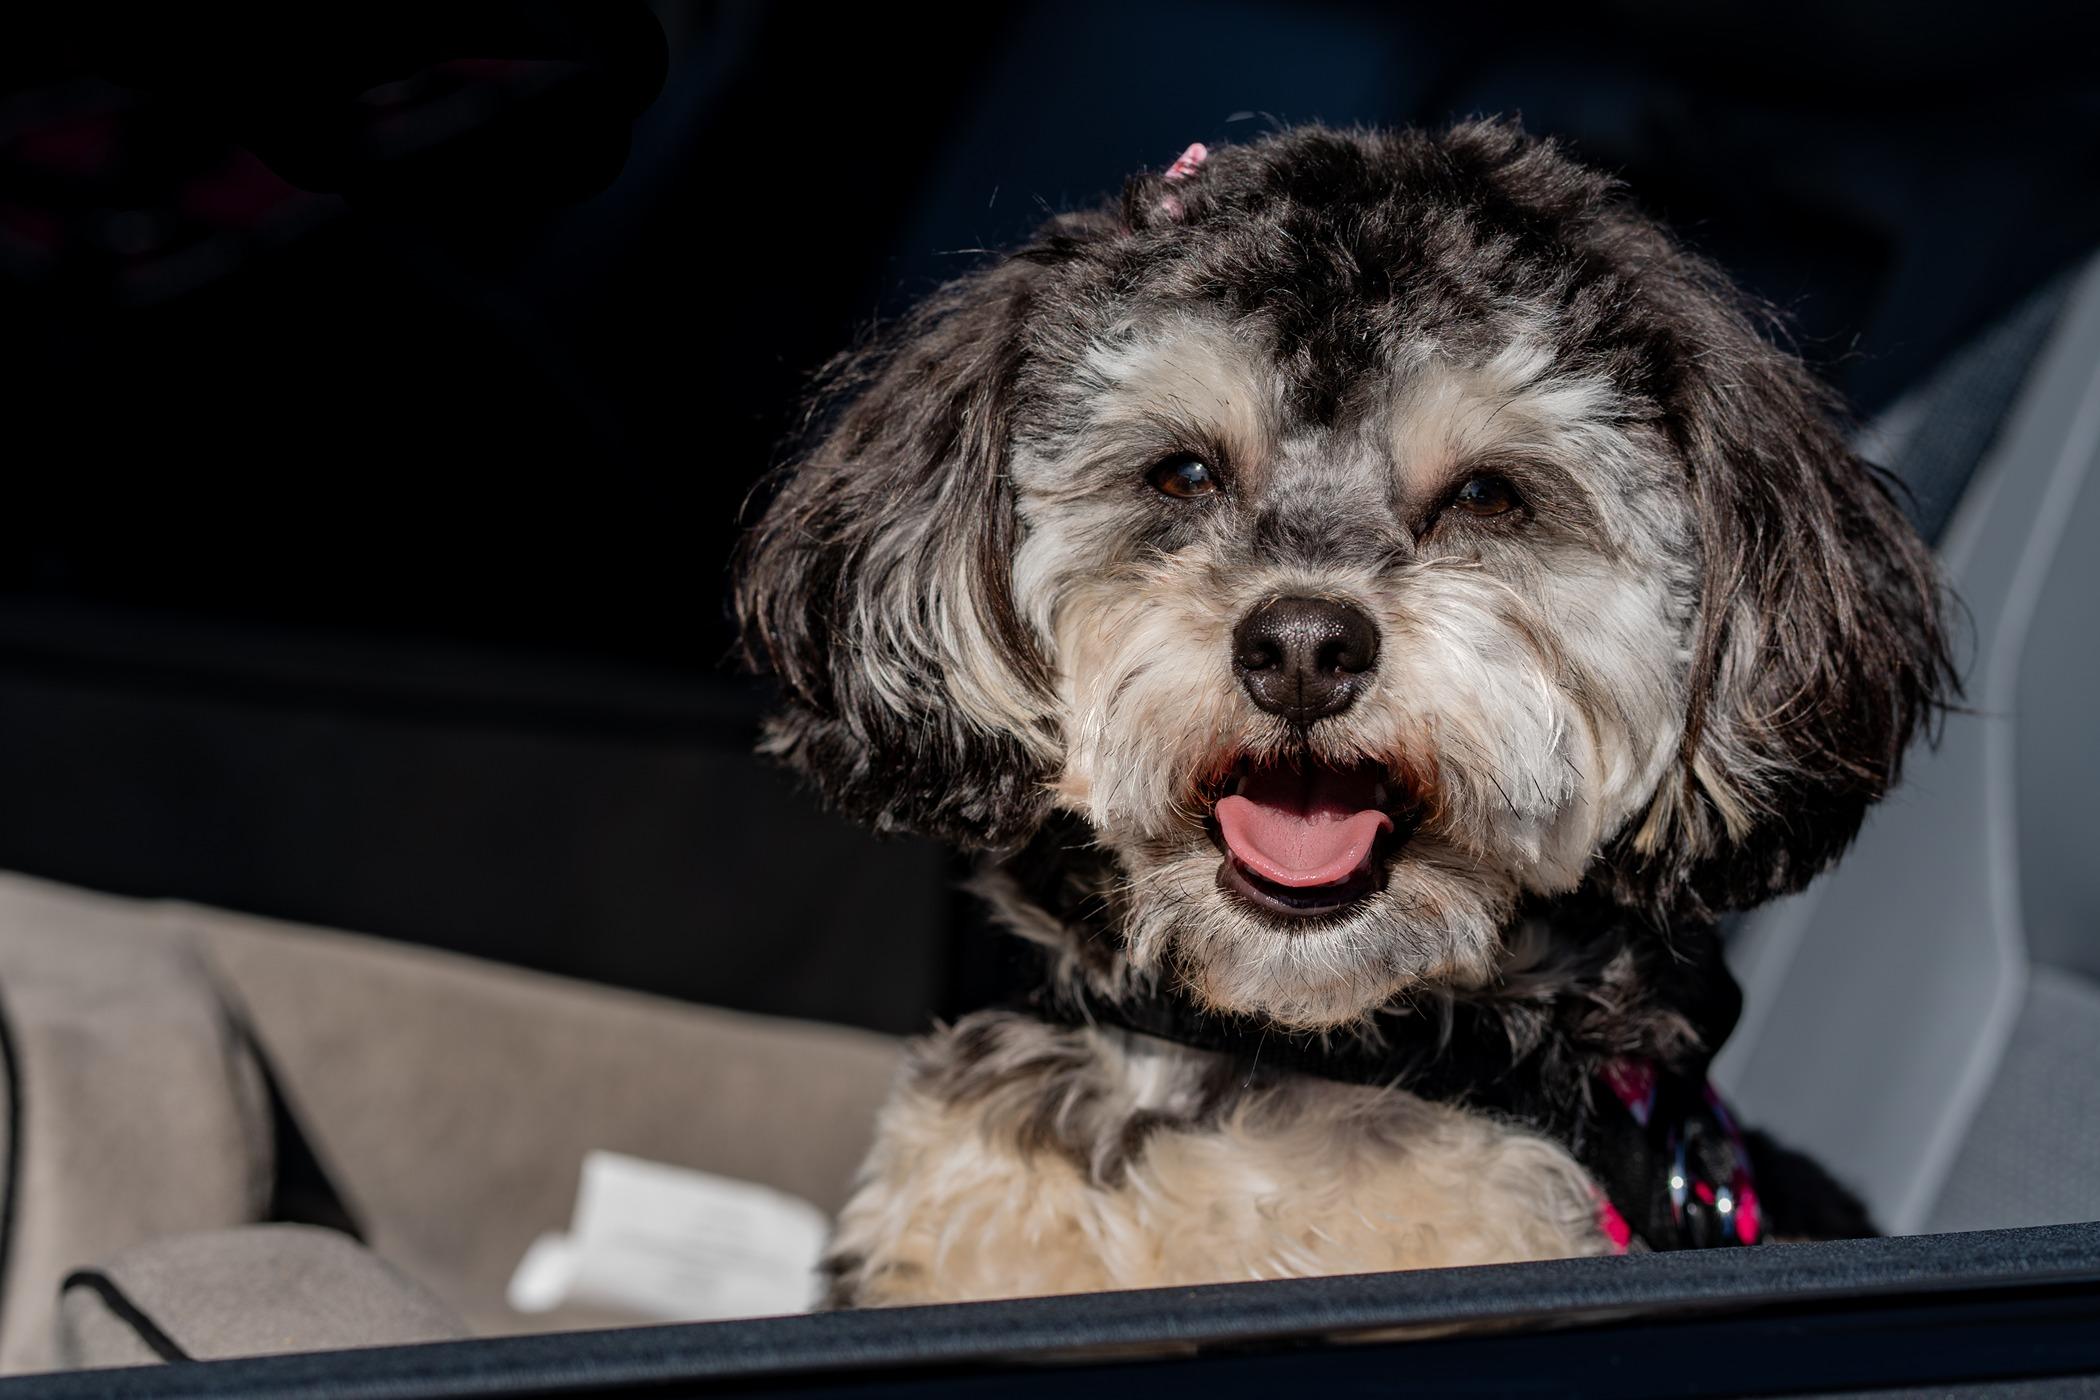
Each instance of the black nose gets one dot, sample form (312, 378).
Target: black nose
(1303, 658)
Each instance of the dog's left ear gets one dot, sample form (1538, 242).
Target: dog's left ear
(1820, 648)
(877, 586)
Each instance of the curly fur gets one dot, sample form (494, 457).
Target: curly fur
(1670, 686)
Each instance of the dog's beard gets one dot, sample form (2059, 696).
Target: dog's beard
(1487, 760)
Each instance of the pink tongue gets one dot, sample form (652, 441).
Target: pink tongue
(1303, 827)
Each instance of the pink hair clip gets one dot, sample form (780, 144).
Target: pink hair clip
(1184, 166)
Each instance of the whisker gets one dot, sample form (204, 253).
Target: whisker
(1499, 788)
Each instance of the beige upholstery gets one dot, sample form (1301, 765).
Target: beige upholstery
(246, 1292)
(450, 1102)
(139, 1111)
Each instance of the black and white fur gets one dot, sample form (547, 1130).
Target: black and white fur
(1668, 683)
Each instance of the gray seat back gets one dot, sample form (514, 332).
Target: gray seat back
(1880, 1003)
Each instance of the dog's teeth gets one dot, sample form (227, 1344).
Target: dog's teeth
(1378, 795)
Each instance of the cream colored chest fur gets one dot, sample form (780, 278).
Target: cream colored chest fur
(1074, 1161)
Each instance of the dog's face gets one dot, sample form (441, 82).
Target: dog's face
(1359, 536)
(1342, 669)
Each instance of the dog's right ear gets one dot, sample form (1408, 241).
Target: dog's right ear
(877, 586)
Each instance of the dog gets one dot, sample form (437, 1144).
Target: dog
(1372, 601)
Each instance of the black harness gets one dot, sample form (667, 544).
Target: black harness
(1671, 1164)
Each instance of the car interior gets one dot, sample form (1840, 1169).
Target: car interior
(382, 833)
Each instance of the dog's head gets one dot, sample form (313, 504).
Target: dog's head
(1361, 534)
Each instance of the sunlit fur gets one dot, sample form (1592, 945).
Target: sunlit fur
(1670, 682)
(1017, 1160)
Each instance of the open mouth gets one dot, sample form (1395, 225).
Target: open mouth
(1302, 839)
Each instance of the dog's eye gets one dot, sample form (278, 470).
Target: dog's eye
(1184, 477)
(1486, 495)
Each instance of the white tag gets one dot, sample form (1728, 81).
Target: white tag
(676, 1245)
